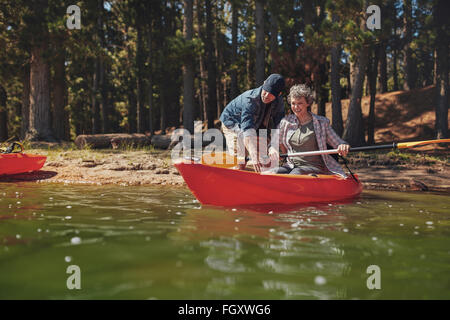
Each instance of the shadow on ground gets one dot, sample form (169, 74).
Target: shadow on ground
(29, 176)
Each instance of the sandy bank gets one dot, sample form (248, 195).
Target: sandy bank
(143, 167)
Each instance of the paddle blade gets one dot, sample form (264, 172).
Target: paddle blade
(404, 145)
(220, 160)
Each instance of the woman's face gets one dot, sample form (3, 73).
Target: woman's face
(299, 105)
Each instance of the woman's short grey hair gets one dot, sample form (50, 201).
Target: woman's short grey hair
(301, 90)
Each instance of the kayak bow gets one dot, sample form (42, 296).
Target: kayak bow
(13, 163)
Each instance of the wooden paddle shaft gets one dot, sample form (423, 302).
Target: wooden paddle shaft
(333, 151)
(393, 145)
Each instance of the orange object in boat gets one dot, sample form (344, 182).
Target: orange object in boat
(13, 163)
(229, 187)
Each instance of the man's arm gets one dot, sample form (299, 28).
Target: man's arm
(249, 132)
(247, 119)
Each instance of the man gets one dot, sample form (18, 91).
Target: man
(260, 108)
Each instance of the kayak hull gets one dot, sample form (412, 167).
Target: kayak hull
(229, 187)
(14, 163)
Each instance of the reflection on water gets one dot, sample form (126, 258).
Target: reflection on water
(160, 243)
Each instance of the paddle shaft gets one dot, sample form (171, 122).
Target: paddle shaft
(333, 151)
(393, 145)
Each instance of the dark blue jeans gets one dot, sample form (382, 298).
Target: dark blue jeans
(297, 170)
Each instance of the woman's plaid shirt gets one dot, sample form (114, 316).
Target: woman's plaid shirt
(324, 135)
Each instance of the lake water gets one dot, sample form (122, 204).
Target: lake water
(160, 243)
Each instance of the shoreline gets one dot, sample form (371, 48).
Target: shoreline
(153, 167)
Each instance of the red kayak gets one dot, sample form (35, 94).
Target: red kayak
(220, 186)
(13, 163)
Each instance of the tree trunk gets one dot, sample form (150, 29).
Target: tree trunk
(248, 67)
(273, 36)
(40, 121)
(60, 116)
(132, 106)
(308, 12)
(163, 105)
(354, 126)
(218, 51)
(95, 107)
(394, 47)
(97, 76)
(225, 90)
(372, 74)
(188, 70)
(150, 75)
(352, 76)
(336, 85)
(321, 91)
(395, 70)
(409, 72)
(104, 106)
(25, 101)
(442, 69)
(203, 90)
(383, 79)
(435, 69)
(103, 86)
(427, 79)
(140, 116)
(3, 115)
(202, 80)
(234, 45)
(259, 43)
(349, 79)
(211, 66)
(162, 110)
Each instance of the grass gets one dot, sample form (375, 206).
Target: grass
(399, 157)
(69, 151)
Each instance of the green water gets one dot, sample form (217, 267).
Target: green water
(160, 243)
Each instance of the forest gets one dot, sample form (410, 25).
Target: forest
(136, 66)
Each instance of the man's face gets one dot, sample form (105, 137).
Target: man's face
(267, 97)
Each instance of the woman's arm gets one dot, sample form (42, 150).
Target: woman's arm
(333, 138)
(335, 141)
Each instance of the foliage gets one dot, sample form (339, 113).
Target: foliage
(304, 37)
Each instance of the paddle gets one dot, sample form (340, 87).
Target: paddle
(394, 145)
(224, 160)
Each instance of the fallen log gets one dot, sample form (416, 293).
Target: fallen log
(161, 141)
(120, 140)
(114, 140)
(201, 141)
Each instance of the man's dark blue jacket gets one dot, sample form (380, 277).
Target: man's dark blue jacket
(246, 112)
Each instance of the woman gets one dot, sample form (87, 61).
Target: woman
(305, 131)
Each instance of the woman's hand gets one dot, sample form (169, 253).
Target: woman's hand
(343, 149)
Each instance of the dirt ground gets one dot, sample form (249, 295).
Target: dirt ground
(100, 167)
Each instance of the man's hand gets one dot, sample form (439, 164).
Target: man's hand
(252, 146)
(274, 155)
